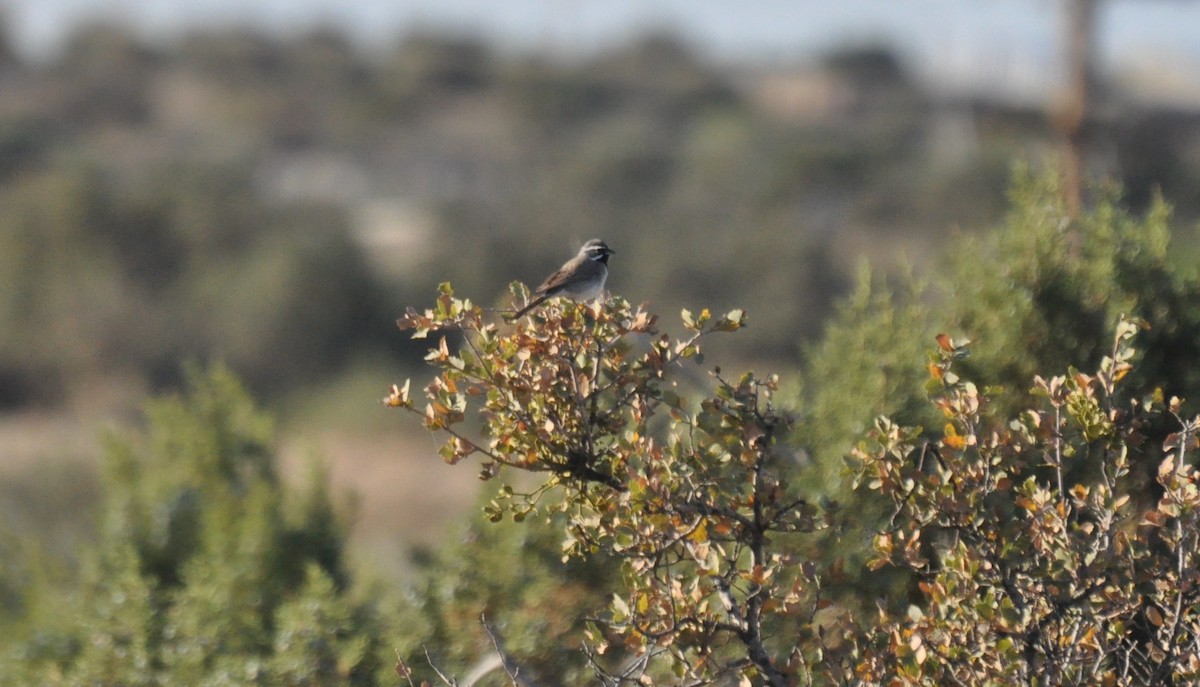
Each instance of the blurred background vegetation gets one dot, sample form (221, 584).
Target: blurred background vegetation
(273, 201)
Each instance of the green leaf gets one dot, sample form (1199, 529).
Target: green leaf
(620, 609)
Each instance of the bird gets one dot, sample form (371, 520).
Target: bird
(581, 278)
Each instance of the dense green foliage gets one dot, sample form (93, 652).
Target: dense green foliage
(208, 569)
(1039, 293)
(211, 571)
(511, 576)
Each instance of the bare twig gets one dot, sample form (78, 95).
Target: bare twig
(506, 660)
(403, 670)
(448, 681)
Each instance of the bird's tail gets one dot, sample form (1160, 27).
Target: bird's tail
(532, 304)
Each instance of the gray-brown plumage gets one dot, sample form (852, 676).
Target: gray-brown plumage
(581, 278)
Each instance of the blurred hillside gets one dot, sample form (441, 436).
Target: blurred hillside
(275, 202)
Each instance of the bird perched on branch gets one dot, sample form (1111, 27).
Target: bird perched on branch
(581, 278)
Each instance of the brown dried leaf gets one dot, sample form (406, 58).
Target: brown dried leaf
(1167, 466)
(1154, 615)
(1171, 442)
(398, 397)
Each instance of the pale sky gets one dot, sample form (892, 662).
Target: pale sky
(1012, 43)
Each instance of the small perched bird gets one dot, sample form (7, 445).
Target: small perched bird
(580, 278)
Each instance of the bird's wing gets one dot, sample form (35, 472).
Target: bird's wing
(551, 286)
(556, 280)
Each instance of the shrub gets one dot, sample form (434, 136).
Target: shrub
(1036, 295)
(1027, 576)
(693, 498)
(1026, 569)
(208, 570)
